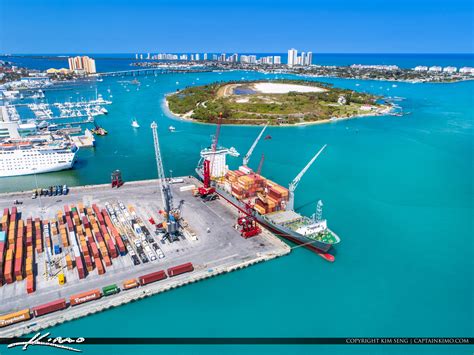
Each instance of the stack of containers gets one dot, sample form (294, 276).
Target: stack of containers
(19, 252)
(75, 246)
(4, 220)
(55, 238)
(29, 256)
(38, 236)
(116, 235)
(69, 263)
(84, 246)
(46, 235)
(8, 268)
(3, 241)
(100, 240)
(109, 241)
(277, 194)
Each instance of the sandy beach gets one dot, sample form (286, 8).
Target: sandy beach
(283, 88)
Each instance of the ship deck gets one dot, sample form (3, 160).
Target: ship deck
(212, 251)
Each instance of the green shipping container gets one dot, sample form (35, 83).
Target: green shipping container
(110, 290)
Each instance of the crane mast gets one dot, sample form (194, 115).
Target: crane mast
(249, 153)
(294, 184)
(165, 192)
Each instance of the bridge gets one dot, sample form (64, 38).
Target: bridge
(149, 71)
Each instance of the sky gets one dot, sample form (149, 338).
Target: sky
(260, 26)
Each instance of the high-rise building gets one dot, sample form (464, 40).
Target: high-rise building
(276, 59)
(85, 64)
(214, 57)
(148, 56)
(292, 57)
(196, 56)
(309, 58)
(222, 57)
(205, 56)
(136, 55)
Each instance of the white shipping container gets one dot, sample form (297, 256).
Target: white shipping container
(187, 188)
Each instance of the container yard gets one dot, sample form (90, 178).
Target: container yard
(99, 247)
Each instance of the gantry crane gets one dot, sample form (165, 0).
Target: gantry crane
(166, 196)
(294, 184)
(249, 153)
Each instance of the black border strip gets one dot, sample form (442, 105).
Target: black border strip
(260, 341)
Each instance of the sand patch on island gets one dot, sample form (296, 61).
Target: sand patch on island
(274, 88)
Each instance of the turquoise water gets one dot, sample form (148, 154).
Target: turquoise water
(398, 190)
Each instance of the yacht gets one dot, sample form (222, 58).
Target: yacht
(135, 124)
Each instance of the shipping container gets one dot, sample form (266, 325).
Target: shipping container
(30, 284)
(110, 290)
(127, 285)
(85, 297)
(149, 278)
(80, 267)
(49, 307)
(180, 269)
(15, 317)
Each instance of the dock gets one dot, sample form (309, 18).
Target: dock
(85, 141)
(209, 241)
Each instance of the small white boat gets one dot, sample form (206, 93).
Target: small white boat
(135, 124)
(171, 128)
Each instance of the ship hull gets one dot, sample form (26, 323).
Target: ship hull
(288, 234)
(58, 167)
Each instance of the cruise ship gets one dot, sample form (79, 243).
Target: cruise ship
(34, 157)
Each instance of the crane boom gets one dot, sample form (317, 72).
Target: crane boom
(165, 196)
(249, 153)
(295, 182)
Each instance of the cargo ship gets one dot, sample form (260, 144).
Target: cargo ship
(269, 203)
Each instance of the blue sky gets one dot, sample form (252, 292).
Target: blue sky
(329, 26)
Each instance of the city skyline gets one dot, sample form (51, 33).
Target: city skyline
(337, 27)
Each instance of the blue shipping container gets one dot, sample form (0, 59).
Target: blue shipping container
(57, 249)
(3, 236)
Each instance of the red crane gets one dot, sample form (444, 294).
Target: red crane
(207, 165)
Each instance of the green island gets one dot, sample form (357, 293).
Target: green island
(276, 102)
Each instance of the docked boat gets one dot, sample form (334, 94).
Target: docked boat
(269, 203)
(34, 157)
(135, 124)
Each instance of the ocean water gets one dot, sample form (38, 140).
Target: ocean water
(398, 190)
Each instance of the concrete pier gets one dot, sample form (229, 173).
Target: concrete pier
(211, 243)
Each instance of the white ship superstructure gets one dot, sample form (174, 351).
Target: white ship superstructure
(26, 157)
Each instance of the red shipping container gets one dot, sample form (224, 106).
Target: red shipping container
(49, 307)
(30, 284)
(95, 250)
(80, 267)
(100, 266)
(120, 245)
(107, 260)
(8, 273)
(149, 278)
(66, 209)
(85, 297)
(6, 212)
(85, 222)
(111, 248)
(180, 269)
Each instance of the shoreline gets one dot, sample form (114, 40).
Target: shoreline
(285, 125)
